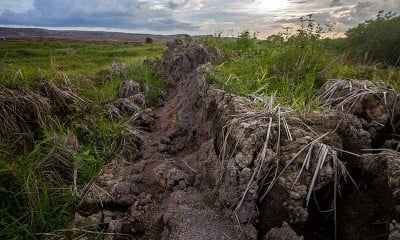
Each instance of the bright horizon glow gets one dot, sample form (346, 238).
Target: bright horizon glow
(263, 6)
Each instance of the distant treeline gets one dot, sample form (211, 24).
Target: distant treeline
(374, 41)
(377, 39)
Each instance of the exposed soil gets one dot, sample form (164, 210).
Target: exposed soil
(215, 166)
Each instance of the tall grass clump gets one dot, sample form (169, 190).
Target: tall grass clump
(39, 187)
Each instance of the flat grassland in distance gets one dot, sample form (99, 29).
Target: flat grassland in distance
(47, 161)
(79, 63)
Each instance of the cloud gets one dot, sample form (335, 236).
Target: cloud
(190, 16)
(16, 5)
(335, 3)
(123, 14)
(176, 4)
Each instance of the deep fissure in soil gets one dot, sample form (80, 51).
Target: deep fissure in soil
(186, 181)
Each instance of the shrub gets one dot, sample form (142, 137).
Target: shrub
(377, 39)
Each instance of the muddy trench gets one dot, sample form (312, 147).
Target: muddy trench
(216, 167)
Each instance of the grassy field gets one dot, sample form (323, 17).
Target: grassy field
(42, 171)
(29, 63)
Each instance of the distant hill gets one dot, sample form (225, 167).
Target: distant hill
(38, 33)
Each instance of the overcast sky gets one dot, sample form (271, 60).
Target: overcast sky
(187, 16)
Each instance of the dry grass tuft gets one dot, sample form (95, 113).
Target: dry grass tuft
(344, 94)
(347, 95)
(62, 97)
(133, 131)
(21, 112)
(61, 162)
(112, 112)
(119, 68)
(129, 88)
(126, 105)
(273, 117)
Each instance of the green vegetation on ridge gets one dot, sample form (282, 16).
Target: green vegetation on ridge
(295, 66)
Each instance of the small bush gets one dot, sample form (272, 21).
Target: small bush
(377, 39)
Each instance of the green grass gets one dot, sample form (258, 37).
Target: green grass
(37, 190)
(293, 67)
(47, 60)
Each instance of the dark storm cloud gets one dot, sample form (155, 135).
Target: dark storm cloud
(176, 4)
(102, 13)
(335, 3)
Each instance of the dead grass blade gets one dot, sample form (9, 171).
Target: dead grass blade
(19, 109)
(62, 96)
(133, 130)
(288, 163)
(343, 95)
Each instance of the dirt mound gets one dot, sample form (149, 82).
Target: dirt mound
(180, 60)
(221, 166)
